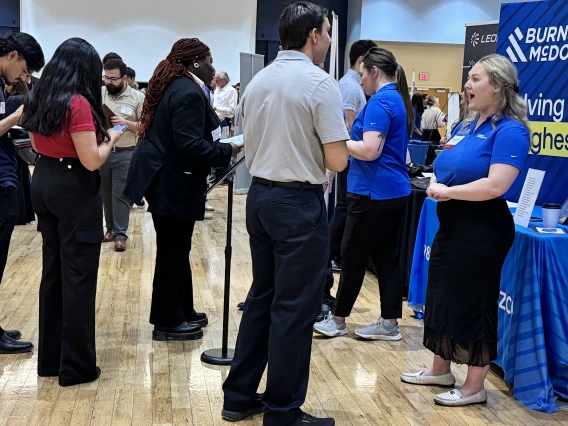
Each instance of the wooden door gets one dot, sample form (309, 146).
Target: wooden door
(440, 93)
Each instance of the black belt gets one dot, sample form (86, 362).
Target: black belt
(120, 148)
(297, 185)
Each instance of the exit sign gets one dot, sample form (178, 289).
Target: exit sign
(423, 76)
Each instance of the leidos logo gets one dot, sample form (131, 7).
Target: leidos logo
(474, 39)
(487, 38)
(545, 44)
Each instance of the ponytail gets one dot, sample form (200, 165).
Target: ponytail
(402, 87)
(384, 60)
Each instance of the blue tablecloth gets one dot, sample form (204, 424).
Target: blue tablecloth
(533, 309)
(418, 151)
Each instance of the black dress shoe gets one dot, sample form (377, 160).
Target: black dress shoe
(307, 420)
(11, 346)
(238, 416)
(335, 267)
(14, 334)
(198, 318)
(184, 331)
(66, 382)
(241, 306)
(325, 310)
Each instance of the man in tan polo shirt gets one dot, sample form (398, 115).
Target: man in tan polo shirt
(126, 105)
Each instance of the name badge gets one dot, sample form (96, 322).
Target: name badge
(455, 140)
(2, 107)
(126, 110)
(216, 134)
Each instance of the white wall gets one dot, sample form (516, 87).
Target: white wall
(427, 21)
(143, 31)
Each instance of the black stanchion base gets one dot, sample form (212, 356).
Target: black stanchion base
(216, 357)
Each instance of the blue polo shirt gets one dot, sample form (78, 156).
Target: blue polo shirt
(386, 177)
(472, 157)
(8, 176)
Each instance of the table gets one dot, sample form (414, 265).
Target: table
(409, 230)
(533, 308)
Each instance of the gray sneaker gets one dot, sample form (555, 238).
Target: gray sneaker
(330, 327)
(379, 331)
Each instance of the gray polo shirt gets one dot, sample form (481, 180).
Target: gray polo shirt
(352, 93)
(291, 109)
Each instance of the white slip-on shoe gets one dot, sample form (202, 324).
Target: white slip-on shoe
(454, 398)
(419, 379)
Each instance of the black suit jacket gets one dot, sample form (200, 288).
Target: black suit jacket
(171, 165)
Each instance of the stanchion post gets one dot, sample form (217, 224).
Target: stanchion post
(224, 355)
(228, 257)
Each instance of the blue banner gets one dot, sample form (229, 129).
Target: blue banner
(427, 228)
(534, 36)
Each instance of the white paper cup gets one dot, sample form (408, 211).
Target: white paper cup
(550, 215)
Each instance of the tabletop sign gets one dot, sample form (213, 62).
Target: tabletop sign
(549, 231)
(528, 197)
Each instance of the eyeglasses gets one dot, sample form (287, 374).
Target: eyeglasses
(112, 79)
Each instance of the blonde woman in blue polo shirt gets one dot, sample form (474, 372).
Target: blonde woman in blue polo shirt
(476, 232)
(377, 192)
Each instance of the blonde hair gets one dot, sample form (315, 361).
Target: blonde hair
(503, 77)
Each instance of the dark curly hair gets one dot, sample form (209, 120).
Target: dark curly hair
(184, 52)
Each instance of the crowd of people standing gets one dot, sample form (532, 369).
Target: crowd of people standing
(170, 139)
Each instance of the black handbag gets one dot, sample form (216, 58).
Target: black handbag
(23, 145)
(420, 183)
(416, 170)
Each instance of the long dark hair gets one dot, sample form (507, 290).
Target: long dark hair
(183, 53)
(418, 103)
(384, 60)
(75, 69)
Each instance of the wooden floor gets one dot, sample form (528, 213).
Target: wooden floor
(151, 383)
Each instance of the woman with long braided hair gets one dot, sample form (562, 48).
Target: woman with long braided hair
(178, 145)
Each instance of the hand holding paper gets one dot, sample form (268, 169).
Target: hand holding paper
(235, 140)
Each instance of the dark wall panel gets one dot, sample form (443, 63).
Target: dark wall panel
(268, 13)
(10, 13)
(9, 16)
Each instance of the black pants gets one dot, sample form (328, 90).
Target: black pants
(328, 299)
(373, 228)
(66, 199)
(434, 137)
(289, 241)
(431, 135)
(337, 225)
(172, 295)
(336, 230)
(8, 216)
(26, 211)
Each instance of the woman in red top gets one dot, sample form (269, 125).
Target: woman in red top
(66, 122)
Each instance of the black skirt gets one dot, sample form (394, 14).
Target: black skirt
(460, 322)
